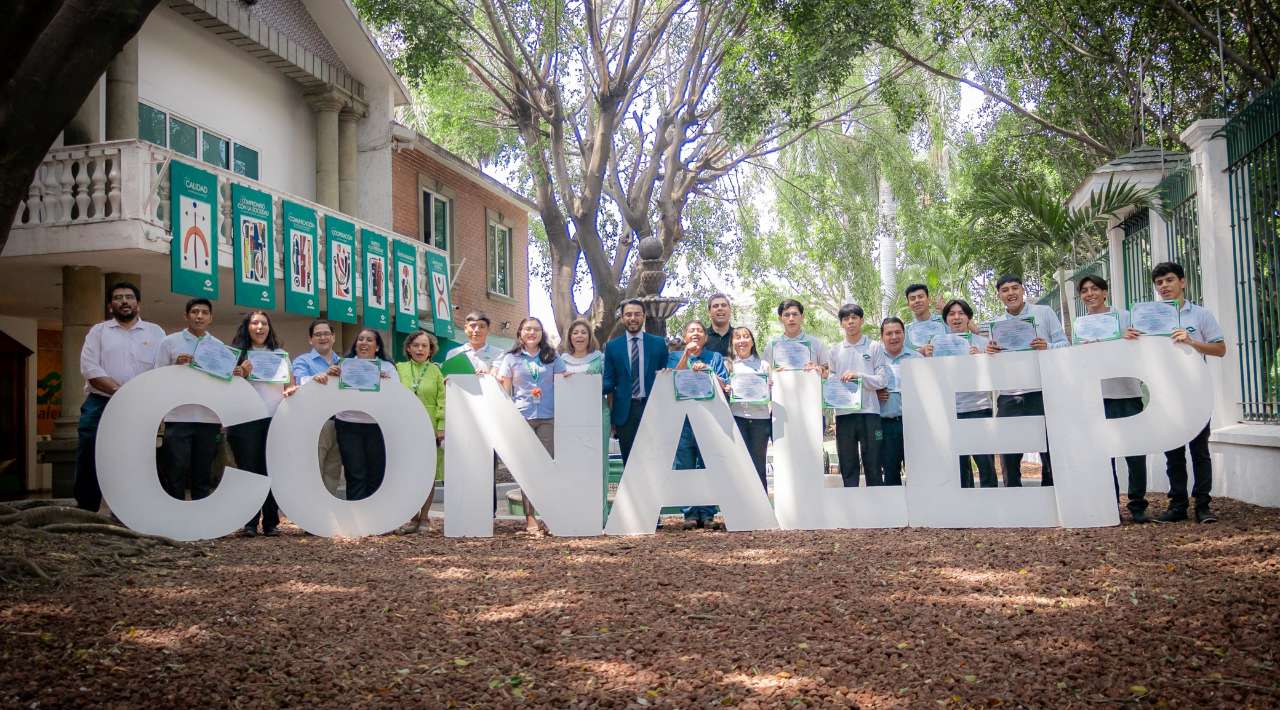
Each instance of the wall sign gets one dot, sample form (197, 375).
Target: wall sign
(301, 294)
(253, 239)
(193, 249)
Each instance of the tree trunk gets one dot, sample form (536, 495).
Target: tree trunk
(53, 53)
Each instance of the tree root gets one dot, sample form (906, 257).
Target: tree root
(41, 503)
(7, 509)
(108, 530)
(25, 564)
(43, 516)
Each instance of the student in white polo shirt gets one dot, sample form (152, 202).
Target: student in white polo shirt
(1200, 331)
(858, 433)
(1025, 403)
(190, 430)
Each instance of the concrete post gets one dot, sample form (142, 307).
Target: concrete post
(1159, 232)
(122, 94)
(326, 107)
(1115, 263)
(82, 308)
(348, 155)
(1217, 265)
(88, 125)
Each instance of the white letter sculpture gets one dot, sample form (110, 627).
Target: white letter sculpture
(800, 500)
(126, 455)
(649, 483)
(1082, 440)
(567, 491)
(295, 467)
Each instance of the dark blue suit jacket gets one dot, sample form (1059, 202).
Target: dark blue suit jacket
(617, 371)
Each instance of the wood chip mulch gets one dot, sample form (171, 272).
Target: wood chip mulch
(1179, 615)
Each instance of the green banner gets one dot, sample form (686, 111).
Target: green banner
(340, 250)
(299, 244)
(406, 263)
(253, 236)
(193, 251)
(441, 306)
(374, 246)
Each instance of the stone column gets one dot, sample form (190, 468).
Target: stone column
(122, 94)
(82, 307)
(1115, 265)
(348, 156)
(1159, 237)
(1217, 265)
(87, 126)
(326, 107)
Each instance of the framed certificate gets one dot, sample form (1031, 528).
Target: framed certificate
(791, 354)
(214, 357)
(749, 388)
(837, 394)
(1155, 317)
(951, 344)
(358, 374)
(1096, 327)
(269, 366)
(919, 333)
(694, 384)
(1014, 333)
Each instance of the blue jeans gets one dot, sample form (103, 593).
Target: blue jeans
(688, 458)
(88, 494)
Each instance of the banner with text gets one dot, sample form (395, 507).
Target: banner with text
(441, 307)
(253, 232)
(340, 252)
(193, 251)
(374, 246)
(299, 259)
(406, 263)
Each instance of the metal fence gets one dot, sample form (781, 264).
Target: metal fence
(1253, 169)
(1182, 229)
(1136, 250)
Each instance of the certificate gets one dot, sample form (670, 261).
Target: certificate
(357, 374)
(791, 354)
(842, 395)
(749, 388)
(269, 366)
(950, 344)
(1096, 327)
(1014, 333)
(895, 377)
(921, 332)
(1155, 317)
(214, 357)
(694, 384)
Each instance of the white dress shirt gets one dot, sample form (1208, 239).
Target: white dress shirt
(183, 342)
(121, 352)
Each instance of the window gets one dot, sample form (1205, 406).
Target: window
(246, 162)
(168, 131)
(182, 137)
(436, 220)
(499, 260)
(153, 125)
(214, 149)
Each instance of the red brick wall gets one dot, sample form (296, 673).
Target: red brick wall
(469, 228)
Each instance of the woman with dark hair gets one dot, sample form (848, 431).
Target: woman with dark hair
(426, 382)
(528, 374)
(752, 415)
(364, 457)
(958, 315)
(248, 441)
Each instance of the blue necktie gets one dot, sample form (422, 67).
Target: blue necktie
(637, 391)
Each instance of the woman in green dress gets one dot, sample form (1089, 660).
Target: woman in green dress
(426, 382)
(581, 352)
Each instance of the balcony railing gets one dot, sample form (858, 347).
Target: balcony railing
(129, 180)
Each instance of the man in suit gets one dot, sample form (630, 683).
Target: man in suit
(631, 361)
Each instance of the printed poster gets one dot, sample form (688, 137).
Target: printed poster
(375, 279)
(406, 264)
(341, 251)
(299, 243)
(254, 268)
(193, 250)
(441, 307)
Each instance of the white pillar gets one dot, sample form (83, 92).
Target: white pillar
(1115, 262)
(1217, 266)
(348, 154)
(1159, 232)
(326, 107)
(122, 93)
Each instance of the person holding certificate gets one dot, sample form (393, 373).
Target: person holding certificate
(1198, 330)
(749, 398)
(697, 358)
(426, 382)
(893, 336)
(266, 367)
(484, 357)
(317, 361)
(1121, 396)
(921, 305)
(185, 460)
(794, 349)
(858, 433)
(364, 457)
(528, 374)
(970, 405)
(1042, 330)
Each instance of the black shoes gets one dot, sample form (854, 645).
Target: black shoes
(1140, 516)
(271, 533)
(249, 532)
(1172, 515)
(1205, 516)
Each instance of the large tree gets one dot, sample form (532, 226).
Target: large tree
(51, 54)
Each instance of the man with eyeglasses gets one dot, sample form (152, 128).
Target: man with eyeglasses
(318, 361)
(115, 351)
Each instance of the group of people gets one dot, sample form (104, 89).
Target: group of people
(869, 437)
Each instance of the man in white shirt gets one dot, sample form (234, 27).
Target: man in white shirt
(115, 351)
(1025, 403)
(858, 432)
(190, 430)
(485, 358)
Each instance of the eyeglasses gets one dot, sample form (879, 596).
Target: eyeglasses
(123, 297)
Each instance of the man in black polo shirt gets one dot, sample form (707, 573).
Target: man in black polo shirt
(720, 334)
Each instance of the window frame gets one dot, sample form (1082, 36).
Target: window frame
(201, 130)
(493, 228)
(426, 217)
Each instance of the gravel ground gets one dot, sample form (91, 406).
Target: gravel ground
(1174, 615)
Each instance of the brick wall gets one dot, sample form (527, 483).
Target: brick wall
(470, 200)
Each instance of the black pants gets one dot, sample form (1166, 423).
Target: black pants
(249, 445)
(986, 462)
(363, 457)
(756, 433)
(88, 494)
(1202, 465)
(891, 453)
(627, 430)
(1119, 409)
(1022, 405)
(854, 432)
(186, 458)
